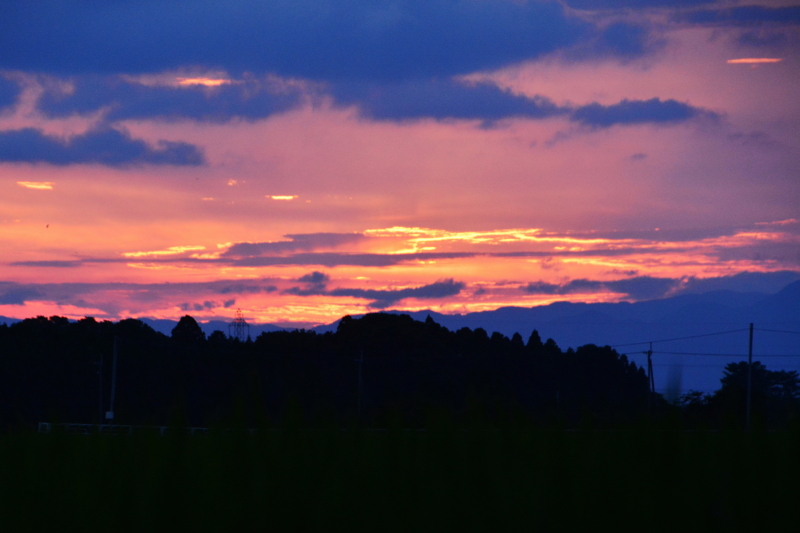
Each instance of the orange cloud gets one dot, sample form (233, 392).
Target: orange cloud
(207, 82)
(754, 60)
(39, 185)
(173, 250)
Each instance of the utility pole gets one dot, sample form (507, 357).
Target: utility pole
(100, 386)
(110, 412)
(749, 378)
(360, 382)
(650, 380)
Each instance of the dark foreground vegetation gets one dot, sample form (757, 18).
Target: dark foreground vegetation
(441, 479)
(388, 424)
(377, 371)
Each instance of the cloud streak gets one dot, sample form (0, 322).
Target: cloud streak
(106, 147)
(112, 297)
(294, 243)
(385, 298)
(649, 288)
(441, 99)
(381, 298)
(124, 98)
(436, 98)
(629, 112)
(638, 288)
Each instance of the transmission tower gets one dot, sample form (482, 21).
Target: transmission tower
(239, 329)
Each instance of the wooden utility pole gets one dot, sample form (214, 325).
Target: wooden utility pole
(100, 386)
(749, 378)
(360, 383)
(110, 412)
(650, 381)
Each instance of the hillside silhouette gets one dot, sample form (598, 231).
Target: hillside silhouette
(377, 370)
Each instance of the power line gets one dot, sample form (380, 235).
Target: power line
(705, 353)
(778, 331)
(727, 354)
(689, 365)
(681, 338)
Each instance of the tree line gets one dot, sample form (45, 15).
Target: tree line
(376, 371)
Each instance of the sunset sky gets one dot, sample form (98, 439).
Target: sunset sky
(307, 159)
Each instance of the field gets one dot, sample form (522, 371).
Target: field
(442, 479)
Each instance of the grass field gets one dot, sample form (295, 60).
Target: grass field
(443, 479)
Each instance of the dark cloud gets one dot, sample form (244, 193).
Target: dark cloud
(17, 295)
(242, 288)
(639, 288)
(365, 39)
(384, 298)
(744, 16)
(315, 284)
(50, 264)
(644, 287)
(107, 147)
(316, 278)
(654, 110)
(313, 290)
(124, 99)
(299, 242)
(441, 99)
(764, 282)
(542, 287)
(786, 253)
(399, 100)
(651, 288)
(8, 92)
(331, 259)
(205, 306)
(451, 99)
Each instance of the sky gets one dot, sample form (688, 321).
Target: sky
(303, 160)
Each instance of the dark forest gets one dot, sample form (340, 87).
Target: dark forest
(377, 371)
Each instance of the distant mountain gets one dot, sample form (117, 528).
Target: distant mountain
(8, 320)
(574, 324)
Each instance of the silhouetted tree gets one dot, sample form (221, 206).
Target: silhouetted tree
(535, 342)
(516, 342)
(188, 331)
(775, 395)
